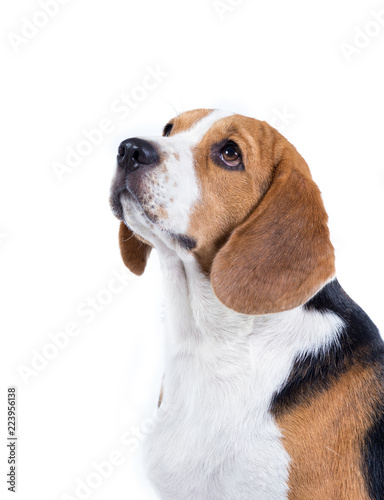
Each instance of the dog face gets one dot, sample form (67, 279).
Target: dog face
(234, 193)
(190, 188)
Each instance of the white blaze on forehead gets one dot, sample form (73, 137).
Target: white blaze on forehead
(183, 187)
(201, 127)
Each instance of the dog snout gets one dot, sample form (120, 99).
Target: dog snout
(135, 153)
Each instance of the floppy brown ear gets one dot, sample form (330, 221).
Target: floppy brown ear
(135, 252)
(281, 255)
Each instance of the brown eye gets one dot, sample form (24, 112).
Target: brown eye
(227, 154)
(230, 154)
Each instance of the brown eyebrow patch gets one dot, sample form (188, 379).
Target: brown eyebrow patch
(186, 120)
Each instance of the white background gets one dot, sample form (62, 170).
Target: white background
(58, 239)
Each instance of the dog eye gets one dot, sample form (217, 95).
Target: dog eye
(167, 129)
(230, 154)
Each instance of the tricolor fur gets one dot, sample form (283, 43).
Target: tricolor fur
(274, 379)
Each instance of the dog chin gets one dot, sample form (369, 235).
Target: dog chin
(116, 207)
(134, 215)
(123, 204)
(144, 224)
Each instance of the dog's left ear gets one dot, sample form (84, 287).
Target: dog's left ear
(135, 252)
(281, 255)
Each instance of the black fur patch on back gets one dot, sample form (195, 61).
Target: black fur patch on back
(359, 341)
(373, 452)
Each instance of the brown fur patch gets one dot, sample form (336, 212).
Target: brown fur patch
(324, 439)
(134, 250)
(262, 233)
(228, 197)
(186, 120)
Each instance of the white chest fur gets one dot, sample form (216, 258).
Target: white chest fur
(215, 438)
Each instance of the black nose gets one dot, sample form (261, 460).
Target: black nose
(135, 153)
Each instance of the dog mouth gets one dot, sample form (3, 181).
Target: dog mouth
(120, 190)
(123, 190)
(115, 201)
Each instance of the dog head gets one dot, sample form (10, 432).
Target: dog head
(234, 193)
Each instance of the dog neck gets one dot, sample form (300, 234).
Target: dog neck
(226, 345)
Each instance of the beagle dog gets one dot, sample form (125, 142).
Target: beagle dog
(274, 377)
